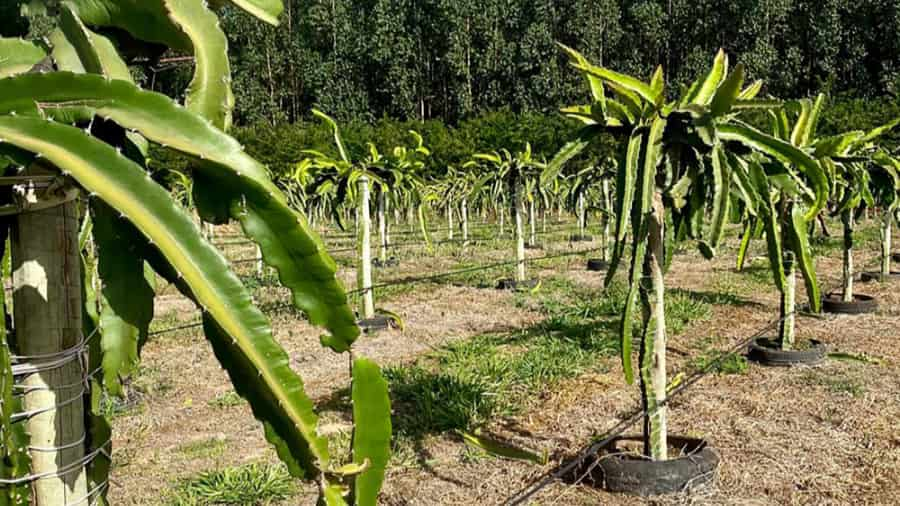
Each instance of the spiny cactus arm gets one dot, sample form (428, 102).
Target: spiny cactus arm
(626, 181)
(146, 20)
(255, 359)
(126, 297)
(727, 93)
(798, 242)
(265, 10)
(18, 56)
(702, 92)
(286, 241)
(721, 194)
(96, 54)
(209, 93)
(371, 429)
(616, 79)
(786, 153)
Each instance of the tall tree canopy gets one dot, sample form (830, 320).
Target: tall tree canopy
(452, 59)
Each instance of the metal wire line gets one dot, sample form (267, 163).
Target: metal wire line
(401, 281)
(409, 244)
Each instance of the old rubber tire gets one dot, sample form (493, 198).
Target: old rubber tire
(512, 284)
(376, 323)
(597, 264)
(766, 352)
(631, 474)
(534, 246)
(876, 276)
(390, 262)
(580, 238)
(895, 257)
(861, 304)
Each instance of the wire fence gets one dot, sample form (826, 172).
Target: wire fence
(411, 244)
(402, 281)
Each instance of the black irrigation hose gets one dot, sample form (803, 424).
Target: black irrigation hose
(638, 413)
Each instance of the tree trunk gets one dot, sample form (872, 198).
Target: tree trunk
(502, 214)
(364, 225)
(653, 350)
(531, 240)
(382, 225)
(47, 318)
(787, 326)
(887, 221)
(847, 220)
(520, 235)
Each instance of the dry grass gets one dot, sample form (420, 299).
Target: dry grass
(822, 435)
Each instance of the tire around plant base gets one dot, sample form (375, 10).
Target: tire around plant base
(375, 324)
(766, 352)
(861, 304)
(534, 246)
(512, 284)
(580, 238)
(876, 276)
(597, 264)
(390, 262)
(631, 474)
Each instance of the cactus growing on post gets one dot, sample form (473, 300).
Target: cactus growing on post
(677, 160)
(92, 88)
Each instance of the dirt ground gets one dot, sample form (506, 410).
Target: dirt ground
(827, 434)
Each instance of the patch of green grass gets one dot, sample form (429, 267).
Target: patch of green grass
(834, 383)
(252, 484)
(203, 449)
(732, 364)
(226, 400)
(468, 384)
(112, 407)
(684, 307)
(143, 382)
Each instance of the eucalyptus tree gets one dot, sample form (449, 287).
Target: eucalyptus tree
(74, 121)
(681, 158)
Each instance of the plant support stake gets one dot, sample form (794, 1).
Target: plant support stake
(47, 316)
(847, 219)
(520, 235)
(364, 223)
(887, 221)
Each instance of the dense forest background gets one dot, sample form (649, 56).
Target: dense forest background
(486, 74)
(451, 59)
